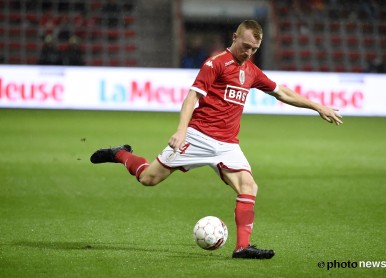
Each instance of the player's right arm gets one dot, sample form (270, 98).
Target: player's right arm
(178, 138)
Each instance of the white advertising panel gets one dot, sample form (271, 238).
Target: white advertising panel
(146, 89)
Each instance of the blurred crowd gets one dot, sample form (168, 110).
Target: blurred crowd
(60, 29)
(71, 55)
(65, 36)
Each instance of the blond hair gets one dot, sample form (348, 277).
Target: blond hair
(250, 25)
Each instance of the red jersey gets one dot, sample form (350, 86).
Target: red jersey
(225, 85)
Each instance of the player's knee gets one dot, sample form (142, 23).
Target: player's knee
(153, 174)
(148, 180)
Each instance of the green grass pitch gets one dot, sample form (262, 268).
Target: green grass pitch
(321, 197)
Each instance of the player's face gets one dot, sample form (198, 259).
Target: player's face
(244, 46)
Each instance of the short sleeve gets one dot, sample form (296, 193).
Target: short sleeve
(208, 73)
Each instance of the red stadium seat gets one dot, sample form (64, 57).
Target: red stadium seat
(352, 41)
(382, 28)
(15, 60)
(284, 25)
(367, 28)
(32, 32)
(129, 33)
(131, 63)
(113, 47)
(319, 39)
(286, 39)
(336, 40)
(303, 39)
(128, 20)
(334, 27)
(32, 18)
(305, 54)
(32, 45)
(96, 48)
(15, 32)
(96, 34)
(283, 10)
(62, 46)
(288, 67)
(15, 44)
(370, 56)
(96, 62)
(96, 5)
(115, 62)
(321, 55)
(14, 18)
(369, 41)
(81, 33)
(287, 54)
(354, 55)
(383, 42)
(356, 69)
(112, 34)
(324, 68)
(338, 55)
(92, 22)
(307, 67)
(319, 26)
(82, 47)
(339, 68)
(31, 60)
(350, 27)
(130, 48)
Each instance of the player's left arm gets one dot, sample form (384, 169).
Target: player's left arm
(290, 97)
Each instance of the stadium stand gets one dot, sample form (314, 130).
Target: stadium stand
(25, 24)
(329, 35)
(307, 35)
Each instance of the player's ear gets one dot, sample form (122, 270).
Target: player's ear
(234, 37)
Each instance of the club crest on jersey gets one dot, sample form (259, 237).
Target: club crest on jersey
(235, 94)
(242, 77)
(170, 157)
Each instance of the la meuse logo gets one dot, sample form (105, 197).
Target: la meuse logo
(135, 91)
(149, 92)
(30, 91)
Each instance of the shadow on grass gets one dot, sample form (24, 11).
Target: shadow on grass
(170, 250)
(72, 245)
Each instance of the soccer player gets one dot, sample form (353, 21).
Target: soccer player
(208, 134)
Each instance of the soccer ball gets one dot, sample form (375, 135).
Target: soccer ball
(210, 233)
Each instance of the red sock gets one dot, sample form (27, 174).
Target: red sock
(134, 164)
(244, 216)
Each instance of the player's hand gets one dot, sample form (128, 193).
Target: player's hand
(331, 115)
(177, 140)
